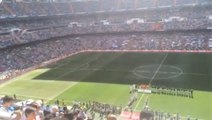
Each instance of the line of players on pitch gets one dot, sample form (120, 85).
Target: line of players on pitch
(173, 91)
(189, 93)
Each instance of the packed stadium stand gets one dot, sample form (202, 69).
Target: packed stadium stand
(34, 32)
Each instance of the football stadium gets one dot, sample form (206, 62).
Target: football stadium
(105, 60)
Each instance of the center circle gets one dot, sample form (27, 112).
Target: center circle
(157, 71)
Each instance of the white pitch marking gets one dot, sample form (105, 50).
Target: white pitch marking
(156, 72)
(153, 77)
(74, 83)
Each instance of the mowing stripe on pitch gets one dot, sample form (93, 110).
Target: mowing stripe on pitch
(66, 73)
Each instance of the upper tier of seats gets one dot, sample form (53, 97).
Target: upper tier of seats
(13, 9)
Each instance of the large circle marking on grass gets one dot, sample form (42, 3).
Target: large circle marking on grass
(165, 71)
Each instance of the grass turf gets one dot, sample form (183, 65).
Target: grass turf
(105, 77)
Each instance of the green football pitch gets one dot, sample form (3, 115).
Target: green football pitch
(107, 77)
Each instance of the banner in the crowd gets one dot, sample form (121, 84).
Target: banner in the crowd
(144, 91)
(144, 88)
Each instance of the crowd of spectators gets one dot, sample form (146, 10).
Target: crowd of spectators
(148, 113)
(24, 36)
(148, 41)
(24, 31)
(159, 115)
(14, 109)
(103, 109)
(161, 29)
(14, 8)
(29, 55)
(188, 17)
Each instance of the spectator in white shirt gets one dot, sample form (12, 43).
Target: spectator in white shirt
(5, 114)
